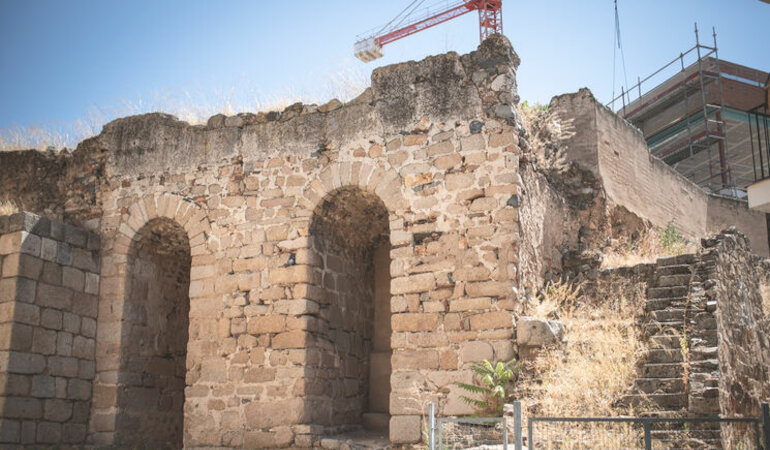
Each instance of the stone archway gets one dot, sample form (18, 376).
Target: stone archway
(350, 236)
(151, 375)
(163, 231)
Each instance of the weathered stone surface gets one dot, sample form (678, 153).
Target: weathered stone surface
(532, 332)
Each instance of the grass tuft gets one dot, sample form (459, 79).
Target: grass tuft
(8, 207)
(647, 248)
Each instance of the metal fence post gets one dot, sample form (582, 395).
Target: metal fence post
(432, 427)
(517, 441)
(505, 433)
(530, 432)
(647, 436)
(766, 425)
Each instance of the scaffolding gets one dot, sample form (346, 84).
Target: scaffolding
(682, 116)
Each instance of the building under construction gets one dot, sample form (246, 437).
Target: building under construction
(704, 116)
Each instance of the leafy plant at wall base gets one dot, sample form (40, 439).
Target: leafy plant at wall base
(671, 237)
(493, 386)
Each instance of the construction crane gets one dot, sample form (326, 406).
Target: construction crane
(410, 21)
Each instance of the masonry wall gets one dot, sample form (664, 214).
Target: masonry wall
(744, 347)
(49, 279)
(617, 154)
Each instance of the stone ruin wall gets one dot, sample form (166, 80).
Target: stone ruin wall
(314, 255)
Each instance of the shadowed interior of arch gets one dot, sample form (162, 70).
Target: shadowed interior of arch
(151, 377)
(349, 230)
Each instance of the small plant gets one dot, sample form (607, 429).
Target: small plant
(671, 238)
(493, 386)
(557, 298)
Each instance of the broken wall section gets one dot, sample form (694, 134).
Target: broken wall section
(617, 155)
(48, 285)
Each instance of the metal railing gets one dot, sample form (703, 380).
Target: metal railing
(647, 429)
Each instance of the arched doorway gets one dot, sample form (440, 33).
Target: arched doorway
(153, 346)
(350, 235)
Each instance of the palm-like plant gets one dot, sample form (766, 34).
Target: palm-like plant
(492, 388)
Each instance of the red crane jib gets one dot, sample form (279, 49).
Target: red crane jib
(490, 20)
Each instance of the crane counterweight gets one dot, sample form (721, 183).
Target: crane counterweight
(408, 22)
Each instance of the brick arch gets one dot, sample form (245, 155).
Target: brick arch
(387, 184)
(113, 291)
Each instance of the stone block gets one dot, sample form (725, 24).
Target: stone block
(291, 339)
(415, 322)
(415, 283)
(266, 324)
(79, 389)
(491, 320)
(475, 351)
(11, 242)
(21, 407)
(73, 278)
(44, 341)
(274, 413)
(488, 289)
(48, 249)
(25, 363)
(83, 347)
(10, 431)
(405, 429)
(43, 386)
(290, 275)
(532, 332)
(51, 318)
(54, 296)
(91, 283)
(71, 322)
(22, 265)
(49, 433)
(415, 359)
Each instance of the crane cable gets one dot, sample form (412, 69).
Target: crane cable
(615, 46)
(402, 15)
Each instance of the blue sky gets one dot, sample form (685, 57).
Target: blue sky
(60, 59)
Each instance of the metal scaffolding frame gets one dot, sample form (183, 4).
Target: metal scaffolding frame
(700, 128)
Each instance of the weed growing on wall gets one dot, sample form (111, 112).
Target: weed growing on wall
(648, 247)
(493, 385)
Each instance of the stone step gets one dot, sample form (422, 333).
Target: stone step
(665, 341)
(704, 353)
(663, 385)
(666, 328)
(676, 260)
(674, 269)
(664, 356)
(673, 280)
(670, 370)
(657, 304)
(706, 365)
(668, 315)
(667, 401)
(667, 292)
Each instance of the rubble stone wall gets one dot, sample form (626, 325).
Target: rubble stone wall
(49, 279)
(744, 345)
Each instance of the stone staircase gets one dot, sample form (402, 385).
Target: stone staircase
(679, 376)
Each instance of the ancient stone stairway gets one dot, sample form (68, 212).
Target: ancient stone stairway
(677, 377)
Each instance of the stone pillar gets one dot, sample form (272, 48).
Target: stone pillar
(49, 277)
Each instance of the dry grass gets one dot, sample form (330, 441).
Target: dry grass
(650, 246)
(590, 372)
(8, 207)
(193, 106)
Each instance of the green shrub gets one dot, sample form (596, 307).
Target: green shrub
(493, 386)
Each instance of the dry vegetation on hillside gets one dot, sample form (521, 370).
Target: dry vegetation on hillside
(590, 373)
(654, 244)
